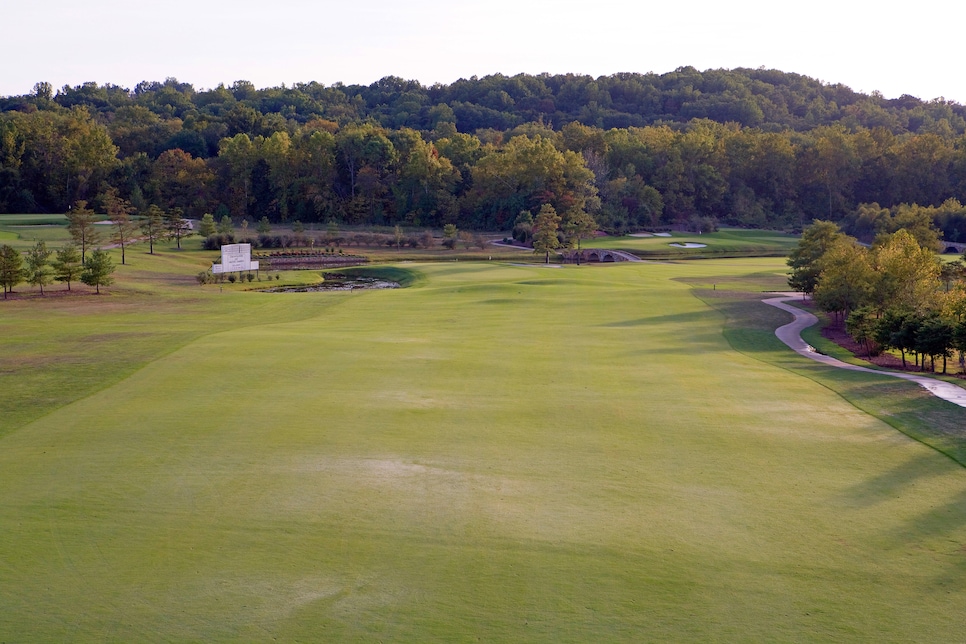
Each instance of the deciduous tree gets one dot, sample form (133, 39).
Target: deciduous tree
(545, 228)
(805, 258)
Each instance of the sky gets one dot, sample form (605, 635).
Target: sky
(858, 43)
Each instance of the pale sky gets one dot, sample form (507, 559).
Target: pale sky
(862, 44)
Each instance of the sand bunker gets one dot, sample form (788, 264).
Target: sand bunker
(688, 245)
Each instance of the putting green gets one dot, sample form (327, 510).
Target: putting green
(501, 453)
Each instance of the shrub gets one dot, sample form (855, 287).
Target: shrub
(216, 241)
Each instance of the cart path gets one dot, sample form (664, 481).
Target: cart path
(790, 334)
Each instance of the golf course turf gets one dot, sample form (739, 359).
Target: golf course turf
(496, 453)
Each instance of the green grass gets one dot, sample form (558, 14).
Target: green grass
(33, 220)
(496, 453)
(724, 243)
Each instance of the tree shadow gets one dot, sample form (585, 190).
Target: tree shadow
(673, 318)
(885, 486)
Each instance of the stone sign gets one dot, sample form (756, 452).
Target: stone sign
(235, 258)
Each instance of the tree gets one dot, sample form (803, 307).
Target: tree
(935, 338)
(805, 259)
(176, 226)
(152, 225)
(225, 227)
(861, 325)
(38, 271)
(206, 227)
(523, 227)
(264, 227)
(449, 236)
(545, 231)
(11, 268)
(907, 275)
(80, 224)
(959, 342)
(951, 271)
(845, 277)
(119, 212)
(896, 329)
(98, 270)
(578, 225)
(67, 264)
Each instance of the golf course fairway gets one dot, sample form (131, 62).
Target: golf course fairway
(498, 453)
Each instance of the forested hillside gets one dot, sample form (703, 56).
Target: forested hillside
(744, 147)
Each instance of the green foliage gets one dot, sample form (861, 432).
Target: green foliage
(805, 258)
(207, 227)
(176, 226)
(746, 147)
(67, 264)
(225, 227)
(11, 268)
(846, 277)
(545, 228)
(81, 226)
(37, 269)
(153, 226)
(99, 270)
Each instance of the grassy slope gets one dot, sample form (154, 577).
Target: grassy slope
(501, 452)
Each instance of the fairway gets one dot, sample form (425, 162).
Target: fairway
(729, 242)
(498, 453)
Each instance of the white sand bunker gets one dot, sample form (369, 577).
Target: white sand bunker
(688, 245)
(641, 235)
(662, 234)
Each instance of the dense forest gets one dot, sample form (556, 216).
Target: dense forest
(741, 147)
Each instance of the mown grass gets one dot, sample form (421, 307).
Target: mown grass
(497, 453)
(724, 243)
(905, 406)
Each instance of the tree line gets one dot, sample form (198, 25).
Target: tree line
(396, 152)
(38, 268)
(892, 294)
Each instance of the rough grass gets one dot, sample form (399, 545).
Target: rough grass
(498, 453)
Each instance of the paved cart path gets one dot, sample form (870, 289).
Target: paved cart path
(791, 334)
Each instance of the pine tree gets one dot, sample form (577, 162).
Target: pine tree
(98, 270)
(80, 224)
(38, 271)
(67, 264)
(11, 269)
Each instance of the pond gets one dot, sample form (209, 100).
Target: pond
(336, 282)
